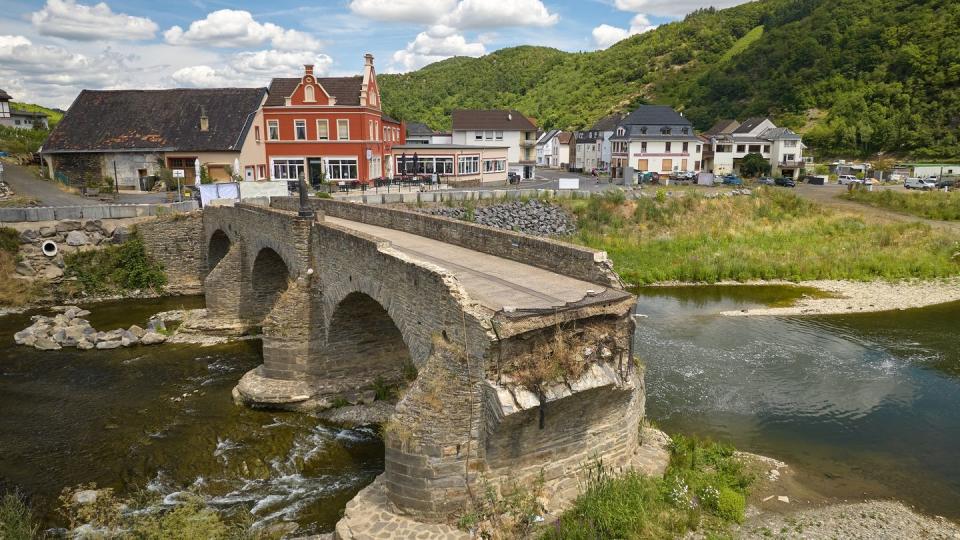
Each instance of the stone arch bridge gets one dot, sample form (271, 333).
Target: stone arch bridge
(517, 349)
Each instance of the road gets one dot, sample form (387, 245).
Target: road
(25, 184)
(829, 196)
(493, 281)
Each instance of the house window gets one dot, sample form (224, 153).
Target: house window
(666, 130)
(622, 131)
(741, 148)
(723, 148)
(342, 169)
(643, 146)
(498, 135)
(468, 165)
(323, 130)
(308, 93)
(766, 149)
(488, 135)
(643, 130)
(790, 144)
(698, 148)
(696, 165)
(667, 146)
(261, 172)
(789, 157)
(686, 147)
(273, 130)
(343, 130)
(287, 169)
(685, 131)
(478, 136)
(256, 133)
(494, 165)
(300, 130)
(754, 148)
(187, 164)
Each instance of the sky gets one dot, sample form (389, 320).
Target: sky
(52, 49)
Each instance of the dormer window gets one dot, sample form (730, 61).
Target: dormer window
(665, 130)
(621, 131)
(685, 131)
(309, 93)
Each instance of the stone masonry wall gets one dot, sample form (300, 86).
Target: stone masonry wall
(177, 242)
(560, 257)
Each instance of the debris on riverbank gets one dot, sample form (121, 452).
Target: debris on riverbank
(69, 329)
(863, 297)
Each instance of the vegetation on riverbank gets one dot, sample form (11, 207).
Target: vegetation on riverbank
(16, 518)
(704, 488)
(13, 292)
(927, 204)
(771, 234)
(123, 267)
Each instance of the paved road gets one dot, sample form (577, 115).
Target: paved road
(493, 281)
(25, 184)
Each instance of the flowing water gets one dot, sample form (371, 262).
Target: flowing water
(867, 404)
(161, 419)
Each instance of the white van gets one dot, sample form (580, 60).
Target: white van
(918, 183)
(845, 179)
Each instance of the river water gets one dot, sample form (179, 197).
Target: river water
(866, 404)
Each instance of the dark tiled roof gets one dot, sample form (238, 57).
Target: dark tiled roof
(657, 115)
(4, 95)
(418, 128)
(32, 114)
(499, 119)
(608, 123)
(390, 119)
(345, 89)
(565, 137)
(779, 133)
(723, 127)
(749, 124)
(588, 136)
(103, 120)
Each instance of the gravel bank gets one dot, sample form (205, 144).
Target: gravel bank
(863, 297)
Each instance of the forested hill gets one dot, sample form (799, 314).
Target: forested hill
(856, 77)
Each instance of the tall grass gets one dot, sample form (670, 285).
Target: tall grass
(704, 487)
(16, 519)
(772, 234)
(929, 204)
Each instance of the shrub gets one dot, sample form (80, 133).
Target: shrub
(9, 240)
(731, 505)
(324, 195)
(187, 521)
(16, 519)
(116, 268)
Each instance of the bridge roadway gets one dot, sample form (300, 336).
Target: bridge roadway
(494, 282)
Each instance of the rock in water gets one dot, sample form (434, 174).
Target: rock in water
(109, 344)
(47, 344)
(151, 338)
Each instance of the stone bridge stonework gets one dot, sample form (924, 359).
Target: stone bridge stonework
(495, 395)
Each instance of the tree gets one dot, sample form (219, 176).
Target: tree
(754, 165)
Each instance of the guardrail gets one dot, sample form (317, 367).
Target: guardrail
(100, 211)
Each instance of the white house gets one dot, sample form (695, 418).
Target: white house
(655, 138)
(547, 149)
(499, 128)
(16, 118)
(606, 126)
(730, 141)
(586, 155)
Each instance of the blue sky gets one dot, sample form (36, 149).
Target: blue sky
(51, 49)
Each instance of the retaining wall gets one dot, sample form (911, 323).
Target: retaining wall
(177, 242)
(101, 211)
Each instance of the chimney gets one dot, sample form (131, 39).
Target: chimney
(308, 69)
(204, 121)
(368, 60)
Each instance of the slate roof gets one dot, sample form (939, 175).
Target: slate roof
(498, 119)
(779, 133)
(345, 89)
(418, 129)
(723, 127)
(158, 120)
(545, 138)
(656, 115)
(750, 124)
(607, 123)
(390, 119)
(4, 96)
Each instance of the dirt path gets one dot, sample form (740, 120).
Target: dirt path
(828, 196)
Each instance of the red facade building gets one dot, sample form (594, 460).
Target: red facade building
(328, 129)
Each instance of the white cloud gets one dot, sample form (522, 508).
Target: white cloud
(437, 43)
(500, 13)
(254, 68)
(68, 19)
(606, 35)
(237, 28)
(672, 8)
(415, 11)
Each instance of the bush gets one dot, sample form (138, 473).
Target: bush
(185, 522)
(9, 240)
(324, 195)
(116, 268)
(16, 519)
(731, 505)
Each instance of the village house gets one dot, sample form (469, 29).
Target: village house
(462, 164)
(566, 148)
(547, 149)
(730, 141)
(419, 133)
(329, 129)
(499, 128)
(606, 126)
(655, 138)
(586, 154)
(16, 118)
(128, 136)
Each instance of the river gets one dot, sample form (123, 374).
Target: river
(864, 404)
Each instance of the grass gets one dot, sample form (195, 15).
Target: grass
(18, 201)
(704, 488)
(771, 234)
(741, 44)
(927, 204)
(16, 519)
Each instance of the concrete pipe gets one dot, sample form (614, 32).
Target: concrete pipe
(49, 248)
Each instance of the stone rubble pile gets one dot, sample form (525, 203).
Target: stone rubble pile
(70, 236)
(69, 329)
(532, 217)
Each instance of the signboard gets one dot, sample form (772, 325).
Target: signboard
(178, 173)
(569, 183)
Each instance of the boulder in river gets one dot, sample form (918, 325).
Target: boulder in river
(151, 338)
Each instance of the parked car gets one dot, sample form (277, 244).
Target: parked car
(732, 180)
(818, 179)
(846, 179)
(513, 177)
(785, 181)
(766, 181)
(919, 183)
(948, 183)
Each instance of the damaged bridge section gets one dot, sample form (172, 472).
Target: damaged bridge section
(517, 349)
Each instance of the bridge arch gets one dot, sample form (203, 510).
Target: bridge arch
(269, 279)
(217, 248)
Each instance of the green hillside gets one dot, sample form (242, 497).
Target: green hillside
(52, 116)
(857, 77)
